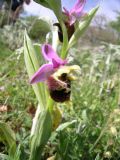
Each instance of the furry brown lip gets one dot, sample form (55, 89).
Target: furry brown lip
(58, 92)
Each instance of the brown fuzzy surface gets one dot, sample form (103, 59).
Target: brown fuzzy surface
(58, 92)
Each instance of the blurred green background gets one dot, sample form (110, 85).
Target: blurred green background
(95, 96)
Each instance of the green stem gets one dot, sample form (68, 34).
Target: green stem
(65, 41)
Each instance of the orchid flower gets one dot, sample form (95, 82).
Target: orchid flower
(46, 73)
(76, 12)
(57, 76)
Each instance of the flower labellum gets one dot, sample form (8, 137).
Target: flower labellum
(59, 83)
(56, 75)
(59, 87)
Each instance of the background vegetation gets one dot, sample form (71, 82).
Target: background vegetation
(95, 133)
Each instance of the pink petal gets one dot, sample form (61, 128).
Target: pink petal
(42, 74)
(50, 55)
(78, 8)
(75, 12)
(57, 64)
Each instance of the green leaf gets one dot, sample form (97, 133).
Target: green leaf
(41, 135)
(8, 137)
(65, 41)
(43, 3)
(17, 154)
(54, 5)
(33, 62)
(65, 125)
(39, 56)
(82, 26)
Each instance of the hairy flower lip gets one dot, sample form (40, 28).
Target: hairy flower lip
(59, 83)
(58, 91)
